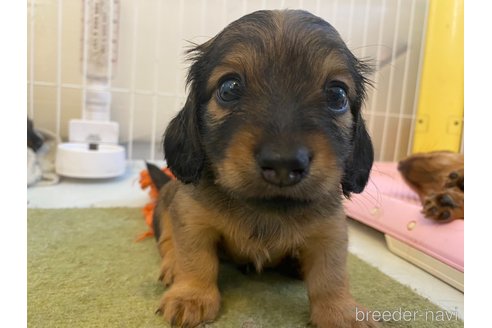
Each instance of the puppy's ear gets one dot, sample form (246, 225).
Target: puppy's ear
(359, 163)
(183, 148)
(182, 143)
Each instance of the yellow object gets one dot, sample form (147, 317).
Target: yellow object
(439, 122)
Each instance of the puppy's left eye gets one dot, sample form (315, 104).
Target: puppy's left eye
(337, 99)
(229, 91)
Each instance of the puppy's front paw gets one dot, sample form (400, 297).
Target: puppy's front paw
(185, 306)
(444, 207)
(456, 179)
(167, 268)
(341, 315)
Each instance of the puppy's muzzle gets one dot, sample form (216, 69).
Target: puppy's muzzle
(283, 167)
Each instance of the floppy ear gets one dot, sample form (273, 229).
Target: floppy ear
(182, 143)
(183, 148)
(359, 163)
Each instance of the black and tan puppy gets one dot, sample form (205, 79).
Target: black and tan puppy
(270, 139)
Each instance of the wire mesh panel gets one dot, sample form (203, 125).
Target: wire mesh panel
(148, 79)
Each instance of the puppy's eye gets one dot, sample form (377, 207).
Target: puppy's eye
(337, 99)
(229, 91)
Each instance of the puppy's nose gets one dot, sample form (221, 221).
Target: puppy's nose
(284, 167)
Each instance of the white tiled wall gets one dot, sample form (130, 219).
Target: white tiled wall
(148, 86)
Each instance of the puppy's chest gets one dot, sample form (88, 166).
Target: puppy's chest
(263, 243)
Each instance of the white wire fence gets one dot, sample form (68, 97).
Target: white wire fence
(148, 78)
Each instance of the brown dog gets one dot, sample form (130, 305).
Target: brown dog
(270, 139)
(439, 180)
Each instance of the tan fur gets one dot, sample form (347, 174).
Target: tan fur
(321, 245)
(191, 262)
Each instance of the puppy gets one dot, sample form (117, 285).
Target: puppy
(269, 140)
(439, 180)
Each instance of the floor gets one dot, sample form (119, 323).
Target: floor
(365, 242)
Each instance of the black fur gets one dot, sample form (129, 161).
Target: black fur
(34, 140)
(158, 177)
(182, 143)
(359, 163)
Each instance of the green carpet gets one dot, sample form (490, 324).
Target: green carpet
(85, 270)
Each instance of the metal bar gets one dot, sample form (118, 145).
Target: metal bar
(389, 94)
(109, 73)
(403, 98)
(58, 66)
(203, 10)
(84, 56)
(335, 12)
(376, 71)
(350, 21)
(131, 113)
(224, 12)
(364, 40)
(156, 78)
(419, 74)
(31, 61)
(365, 29)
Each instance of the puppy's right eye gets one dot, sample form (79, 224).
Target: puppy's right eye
(229, 91)
(336, 97)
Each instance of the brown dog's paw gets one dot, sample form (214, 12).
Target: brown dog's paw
(342, 316)
(167, 268)
(444, 207)
(168, 262)
(456, 179)
(183, 306)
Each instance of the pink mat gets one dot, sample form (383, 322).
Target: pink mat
(390, 206)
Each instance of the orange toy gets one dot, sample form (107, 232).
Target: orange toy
(148, 210)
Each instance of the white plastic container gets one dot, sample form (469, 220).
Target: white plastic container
(76, 160)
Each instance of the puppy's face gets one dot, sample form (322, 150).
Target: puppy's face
(273, 113)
